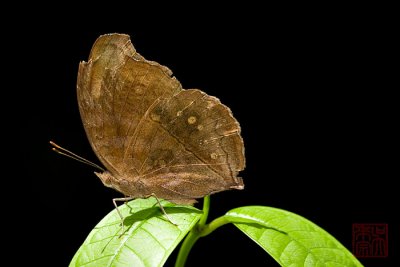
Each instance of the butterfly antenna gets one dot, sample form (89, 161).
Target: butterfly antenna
(67, 153)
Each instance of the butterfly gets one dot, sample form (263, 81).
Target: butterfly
(153, 137)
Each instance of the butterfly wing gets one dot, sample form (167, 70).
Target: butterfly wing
(152, 134)
(195, 148)
(115, 88)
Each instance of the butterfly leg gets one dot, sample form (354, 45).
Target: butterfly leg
(125, 199)
(161, 207)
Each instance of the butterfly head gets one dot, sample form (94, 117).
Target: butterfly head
(106, 178)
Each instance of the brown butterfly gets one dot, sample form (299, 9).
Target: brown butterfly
(152, 136)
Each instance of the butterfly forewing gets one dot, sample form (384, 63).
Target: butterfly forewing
(114, 97)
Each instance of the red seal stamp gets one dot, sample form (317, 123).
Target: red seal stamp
(370, 240)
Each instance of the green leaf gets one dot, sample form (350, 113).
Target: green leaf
(148, 238)
(289, 238)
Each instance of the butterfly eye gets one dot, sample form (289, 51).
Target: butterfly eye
(106, 178)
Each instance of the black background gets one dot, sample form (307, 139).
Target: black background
(313, 95)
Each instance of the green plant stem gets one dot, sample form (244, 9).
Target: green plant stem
(206, 209)
(212, 226)
(201, 229)
(187, 245)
